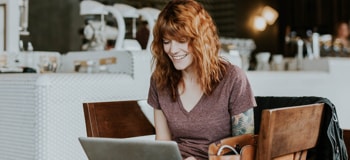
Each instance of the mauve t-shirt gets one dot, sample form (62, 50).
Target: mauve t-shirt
(210, 119)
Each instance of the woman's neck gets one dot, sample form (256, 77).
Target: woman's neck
(190, 82)
(189, 75)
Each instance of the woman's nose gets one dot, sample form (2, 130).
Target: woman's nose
(174, 47)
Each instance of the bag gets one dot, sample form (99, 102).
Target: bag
(240, 147)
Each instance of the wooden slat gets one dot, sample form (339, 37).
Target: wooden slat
(281, 128)
(120, 119)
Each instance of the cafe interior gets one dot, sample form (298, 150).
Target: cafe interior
(71, 69)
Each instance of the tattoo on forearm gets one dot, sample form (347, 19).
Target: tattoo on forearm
(243, 123)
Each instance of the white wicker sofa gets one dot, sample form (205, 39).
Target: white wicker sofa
(41, 115)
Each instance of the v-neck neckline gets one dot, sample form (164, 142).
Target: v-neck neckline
(182, 107)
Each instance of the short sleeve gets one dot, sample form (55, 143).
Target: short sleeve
(241, 95)
(153, 95)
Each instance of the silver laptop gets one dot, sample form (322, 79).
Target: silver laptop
(129, 149)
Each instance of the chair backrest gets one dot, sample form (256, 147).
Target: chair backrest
(120, 119)
(347, 139)
(287, 133)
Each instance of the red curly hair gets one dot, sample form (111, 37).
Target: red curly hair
(187, 19)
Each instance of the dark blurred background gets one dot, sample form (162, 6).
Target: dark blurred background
(54, 25)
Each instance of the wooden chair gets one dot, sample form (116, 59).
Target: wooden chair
(121, 119)
(287, 133)
(347, 139)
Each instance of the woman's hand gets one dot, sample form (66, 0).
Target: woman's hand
(190, 158)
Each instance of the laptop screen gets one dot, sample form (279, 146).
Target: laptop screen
(130, 149)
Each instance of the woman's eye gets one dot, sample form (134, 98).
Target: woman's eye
(166, 42)
(183, 40)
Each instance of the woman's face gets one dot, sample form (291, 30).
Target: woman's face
(179, 53)
(343, 30)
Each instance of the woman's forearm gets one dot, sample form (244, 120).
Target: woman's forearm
(161, 126)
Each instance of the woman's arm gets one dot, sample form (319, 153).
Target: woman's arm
(243, 123)
(161, 126)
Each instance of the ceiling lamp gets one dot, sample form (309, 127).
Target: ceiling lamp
(259, 23)
(269, 14)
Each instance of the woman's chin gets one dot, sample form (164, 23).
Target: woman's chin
(180, 68)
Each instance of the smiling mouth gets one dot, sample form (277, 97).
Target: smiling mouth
(179, 57)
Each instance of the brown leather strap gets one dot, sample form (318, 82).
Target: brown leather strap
(246, 142)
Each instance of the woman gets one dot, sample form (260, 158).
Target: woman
(342, 34)
(196, 95)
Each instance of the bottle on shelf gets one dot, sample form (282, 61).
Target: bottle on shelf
(30, 63)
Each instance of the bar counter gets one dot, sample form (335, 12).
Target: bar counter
(332, 84)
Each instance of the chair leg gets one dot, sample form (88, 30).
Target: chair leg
(285, 157)
(300, 155)
(297, 156)
(294, 156)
